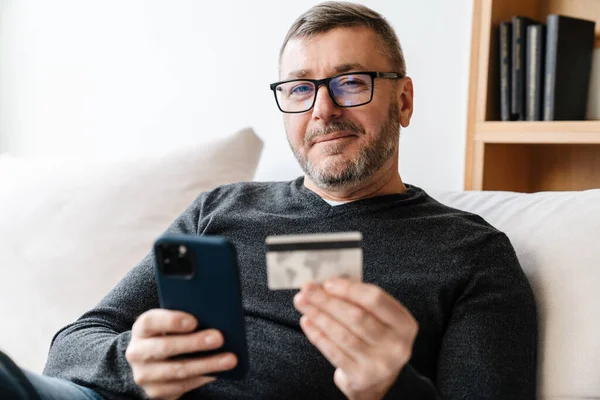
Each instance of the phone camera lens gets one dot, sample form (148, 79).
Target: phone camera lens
(182, 251)
(176, 261)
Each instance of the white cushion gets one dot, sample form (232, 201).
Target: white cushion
(557, 238)
(71, 229)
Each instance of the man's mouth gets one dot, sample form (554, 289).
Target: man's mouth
(334, 136)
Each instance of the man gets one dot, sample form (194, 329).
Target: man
(444, 311)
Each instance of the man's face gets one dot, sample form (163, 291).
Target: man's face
(338, 146)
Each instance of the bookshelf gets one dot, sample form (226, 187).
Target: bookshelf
(524, 156)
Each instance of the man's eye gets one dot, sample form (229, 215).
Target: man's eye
(301, 89)
(352, 83)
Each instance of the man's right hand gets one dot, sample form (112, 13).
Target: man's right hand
(159, 334)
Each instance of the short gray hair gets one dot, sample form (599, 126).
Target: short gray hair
(333, 14)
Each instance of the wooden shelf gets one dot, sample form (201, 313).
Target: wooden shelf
(556, 132)
(523, 156)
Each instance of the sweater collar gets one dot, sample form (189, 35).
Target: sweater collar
(311, 199)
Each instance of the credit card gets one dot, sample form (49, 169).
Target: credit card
(293, 260)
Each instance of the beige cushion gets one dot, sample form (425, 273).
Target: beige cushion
(557, 238)
(70, 230)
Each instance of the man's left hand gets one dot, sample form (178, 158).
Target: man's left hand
(363, 331)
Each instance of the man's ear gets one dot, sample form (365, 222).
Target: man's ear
(405, 100)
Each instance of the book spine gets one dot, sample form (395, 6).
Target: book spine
(518, 68)
(593, 105)
(534, 67)
(550, 66)
(505, 35)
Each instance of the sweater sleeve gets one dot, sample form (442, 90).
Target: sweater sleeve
(489, 349)
(411, 385)
(91, 350)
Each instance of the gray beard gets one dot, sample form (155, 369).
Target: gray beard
(369, 160)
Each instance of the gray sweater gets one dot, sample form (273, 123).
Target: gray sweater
(455, 273)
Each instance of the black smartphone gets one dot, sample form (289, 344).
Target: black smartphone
(199, 275)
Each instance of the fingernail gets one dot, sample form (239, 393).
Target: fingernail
(329, 285)
(304, 321)
(227, 361)
(186, 323)
(210, 339)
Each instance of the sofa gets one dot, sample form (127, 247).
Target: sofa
(70, 229)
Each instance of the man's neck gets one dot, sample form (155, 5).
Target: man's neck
(385, 181)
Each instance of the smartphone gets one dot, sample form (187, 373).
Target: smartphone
(199, 275)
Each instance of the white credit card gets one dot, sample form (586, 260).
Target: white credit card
(293, 260)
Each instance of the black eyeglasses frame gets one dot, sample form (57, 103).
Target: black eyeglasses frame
(325, 82)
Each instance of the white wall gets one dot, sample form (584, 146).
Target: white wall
(116, 77)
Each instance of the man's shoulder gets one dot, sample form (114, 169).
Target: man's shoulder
(468, 220)
(473, 235)
(251, 192)
(454, 224)
(238, 188)
(455, 217)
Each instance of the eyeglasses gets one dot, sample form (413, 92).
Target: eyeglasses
(352, 89)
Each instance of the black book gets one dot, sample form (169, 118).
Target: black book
(569, 47)
(505, 35)
(534, 76)
(519, 43)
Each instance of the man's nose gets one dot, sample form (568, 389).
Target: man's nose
(325, 109)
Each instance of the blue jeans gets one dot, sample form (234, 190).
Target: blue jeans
(49, 388)
(20, 384)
